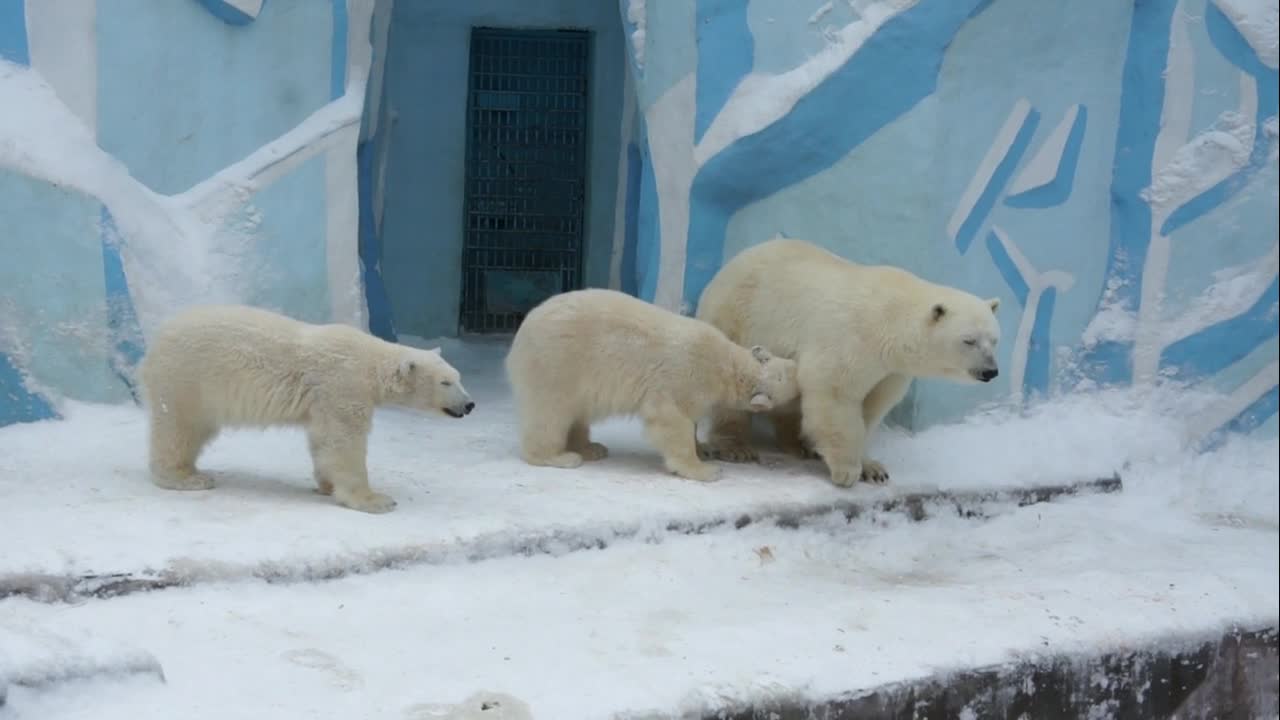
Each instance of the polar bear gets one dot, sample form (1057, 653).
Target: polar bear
(221, 366)
(586, 355)
(859, 334)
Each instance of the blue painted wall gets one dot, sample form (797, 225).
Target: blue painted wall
(164, 98)
(426, 90)
(175, 73)
(175, 117)
(881, 159)
(53, 306)
(1046, 186)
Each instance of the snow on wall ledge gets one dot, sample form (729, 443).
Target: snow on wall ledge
(202, 151)
(1110, 171)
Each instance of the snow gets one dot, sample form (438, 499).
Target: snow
(759, 100)
(1206, 160)
(1259, 23)
(636, 15)
(820, 13)
(178, 249)
(1233, 290)
(649, 621)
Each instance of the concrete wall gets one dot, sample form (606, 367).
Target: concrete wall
(421, 214)
(155, 155)
(1108, 169)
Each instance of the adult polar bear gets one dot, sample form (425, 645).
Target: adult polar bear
(859, 334)
(212, 367)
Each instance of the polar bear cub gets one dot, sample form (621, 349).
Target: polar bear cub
(859, 334)
(586, 355)
(222, 366)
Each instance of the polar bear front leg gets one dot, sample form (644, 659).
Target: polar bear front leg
(339, 452)
(883, 397)
(836, 429)
(674, 435)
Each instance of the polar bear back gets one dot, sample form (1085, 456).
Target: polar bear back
(236, 365)
(796, 298)
(598, 353)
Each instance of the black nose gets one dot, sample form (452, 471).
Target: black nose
(469, 407)
(988, 375)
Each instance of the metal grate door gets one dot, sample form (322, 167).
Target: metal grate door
(526, 173)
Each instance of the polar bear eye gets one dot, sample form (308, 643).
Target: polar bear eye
(445, 383)
(970, 342)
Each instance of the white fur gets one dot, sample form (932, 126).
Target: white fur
(859, 334)
(586, 355)
(214, 367)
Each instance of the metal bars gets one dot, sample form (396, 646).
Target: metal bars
(525, 173)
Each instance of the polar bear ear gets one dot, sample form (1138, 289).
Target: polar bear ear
(761, 355)
(435, 350)
(938, 312)
(994, 303)
(405, 370)
(761, 402)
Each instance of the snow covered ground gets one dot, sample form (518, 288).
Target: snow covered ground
(488, 601)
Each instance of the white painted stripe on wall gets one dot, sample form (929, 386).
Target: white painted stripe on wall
(1242, 397)
(1043, 166)
(620, 197)
(359, 48)
(1037, 283)
(1179, 89)
(248, 7)
(987, 168)
(670, 126)
(62, 39)
(342, 214)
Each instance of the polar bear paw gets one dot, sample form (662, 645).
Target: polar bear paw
(734, 451)
(873, 472)
(173, 481)
(702, 472)
(593, 451)
(365, 501)
(846, 476)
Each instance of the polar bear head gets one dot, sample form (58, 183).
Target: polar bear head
(424, 381)
(960, 338)
(774, 381)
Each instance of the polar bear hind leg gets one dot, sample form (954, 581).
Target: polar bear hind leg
(544, 439)
(580, 442)
(176, 442)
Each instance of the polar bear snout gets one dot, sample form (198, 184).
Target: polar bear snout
(456, 402)
(986, 374)
(457, 411)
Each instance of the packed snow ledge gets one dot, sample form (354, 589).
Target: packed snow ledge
(645, 620)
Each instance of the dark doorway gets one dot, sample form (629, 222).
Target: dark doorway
(525, 173)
